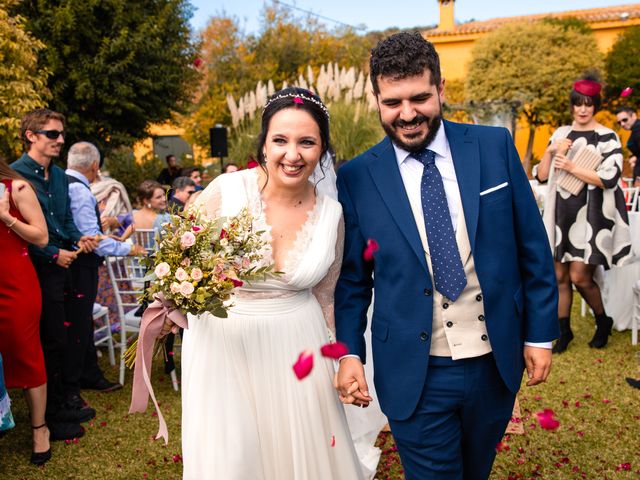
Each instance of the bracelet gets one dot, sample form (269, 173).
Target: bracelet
(9, 225)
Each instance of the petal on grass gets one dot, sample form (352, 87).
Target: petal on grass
(546, 420)
(626, 92)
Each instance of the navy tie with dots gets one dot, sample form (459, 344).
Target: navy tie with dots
(448, 272)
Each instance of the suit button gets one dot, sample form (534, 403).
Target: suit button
(481, 318)
(484, 338)
(424, 336)
(478, 298)
(445, 305)
(449, 324)
(427, 292)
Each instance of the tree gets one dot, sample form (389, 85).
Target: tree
(532, 65)
(284, 48)
(623, 69)
(116, 66)
(22, 85)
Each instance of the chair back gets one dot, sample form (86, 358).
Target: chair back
(147, 238)
(127, 278)
(631, 198)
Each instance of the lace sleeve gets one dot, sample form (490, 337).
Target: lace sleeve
(324, 290)
(210, 199)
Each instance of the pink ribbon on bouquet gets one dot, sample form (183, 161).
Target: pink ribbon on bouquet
(150, 327)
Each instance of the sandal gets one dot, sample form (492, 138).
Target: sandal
(40, 458)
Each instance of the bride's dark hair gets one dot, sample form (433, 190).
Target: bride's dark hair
(302, 99)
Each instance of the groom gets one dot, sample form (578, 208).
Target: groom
(465, 291)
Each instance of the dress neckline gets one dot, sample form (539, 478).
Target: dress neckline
(291, 258)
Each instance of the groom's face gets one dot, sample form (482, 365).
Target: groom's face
(410, 109)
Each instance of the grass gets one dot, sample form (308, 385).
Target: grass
(598, 437)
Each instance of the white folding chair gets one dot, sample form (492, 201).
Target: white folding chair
(627, 181)
(147, 238)
(102, 330)
(631, 198)
(635, 319)
(126, 275)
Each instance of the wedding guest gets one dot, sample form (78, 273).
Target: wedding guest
(42, 133)
(232, 167)
(195, 174)
(442, 231)
(20, 302)
(114, 205)
(153, 200)
(627, 119)
(183, 188)
(170, 172)
(591, 228)
(81, 368)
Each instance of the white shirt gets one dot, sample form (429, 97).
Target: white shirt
(411, 173)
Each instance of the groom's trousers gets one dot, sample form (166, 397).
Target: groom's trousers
(462, 415)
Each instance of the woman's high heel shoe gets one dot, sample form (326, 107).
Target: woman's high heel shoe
(40, 458)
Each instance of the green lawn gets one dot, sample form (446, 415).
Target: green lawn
(598, 437)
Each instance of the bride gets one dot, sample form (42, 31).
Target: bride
(245, 415)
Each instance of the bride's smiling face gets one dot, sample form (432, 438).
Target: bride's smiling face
(292, 147)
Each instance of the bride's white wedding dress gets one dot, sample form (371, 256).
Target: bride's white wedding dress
(245, 415)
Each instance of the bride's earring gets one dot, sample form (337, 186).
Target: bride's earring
(148, 205)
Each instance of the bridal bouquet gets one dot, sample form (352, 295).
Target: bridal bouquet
(200, 261)
(196, 267)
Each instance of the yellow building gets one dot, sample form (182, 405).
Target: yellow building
(454, 44)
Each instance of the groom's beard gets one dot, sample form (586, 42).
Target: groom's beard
(433, 124)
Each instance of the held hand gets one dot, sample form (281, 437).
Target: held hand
(65, 258)
(351, 383)
(88, 243)
(563, 163)
(632, 161)
(137, 250)
(538, 364)
(168, 327)
(109, 223)
(561, 146)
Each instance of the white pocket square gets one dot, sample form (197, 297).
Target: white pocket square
(493, 189)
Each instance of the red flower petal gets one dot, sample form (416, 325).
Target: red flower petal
(103, 424)
(297, 100)
(304, 365)
(626, 92)
(546, 419)
(333, 440)
(197, 62)
(223, 234)
(334, 350)
(177, 458)
(626, 467)
(236, 283)
(66, 324)
(371, 248)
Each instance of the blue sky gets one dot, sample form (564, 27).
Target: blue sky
(378, 15)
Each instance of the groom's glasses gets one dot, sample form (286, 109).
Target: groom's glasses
(51, 134)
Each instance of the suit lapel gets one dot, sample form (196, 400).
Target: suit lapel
(386, 176)
(466, 161)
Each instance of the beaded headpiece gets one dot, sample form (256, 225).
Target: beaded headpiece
(298, 98)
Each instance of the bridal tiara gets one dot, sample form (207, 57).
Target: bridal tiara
(299, 99)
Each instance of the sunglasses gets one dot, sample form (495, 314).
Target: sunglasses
(51, 134)
(622, 120)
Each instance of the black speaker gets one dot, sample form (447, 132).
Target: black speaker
(218, 140)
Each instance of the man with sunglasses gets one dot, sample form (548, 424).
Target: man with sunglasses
(628, 120)
(42, 133)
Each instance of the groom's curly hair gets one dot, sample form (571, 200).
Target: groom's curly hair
(403, 55)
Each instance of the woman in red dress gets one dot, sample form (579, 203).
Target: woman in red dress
(21, 223)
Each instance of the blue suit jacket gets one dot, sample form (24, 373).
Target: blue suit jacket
(508, 241)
